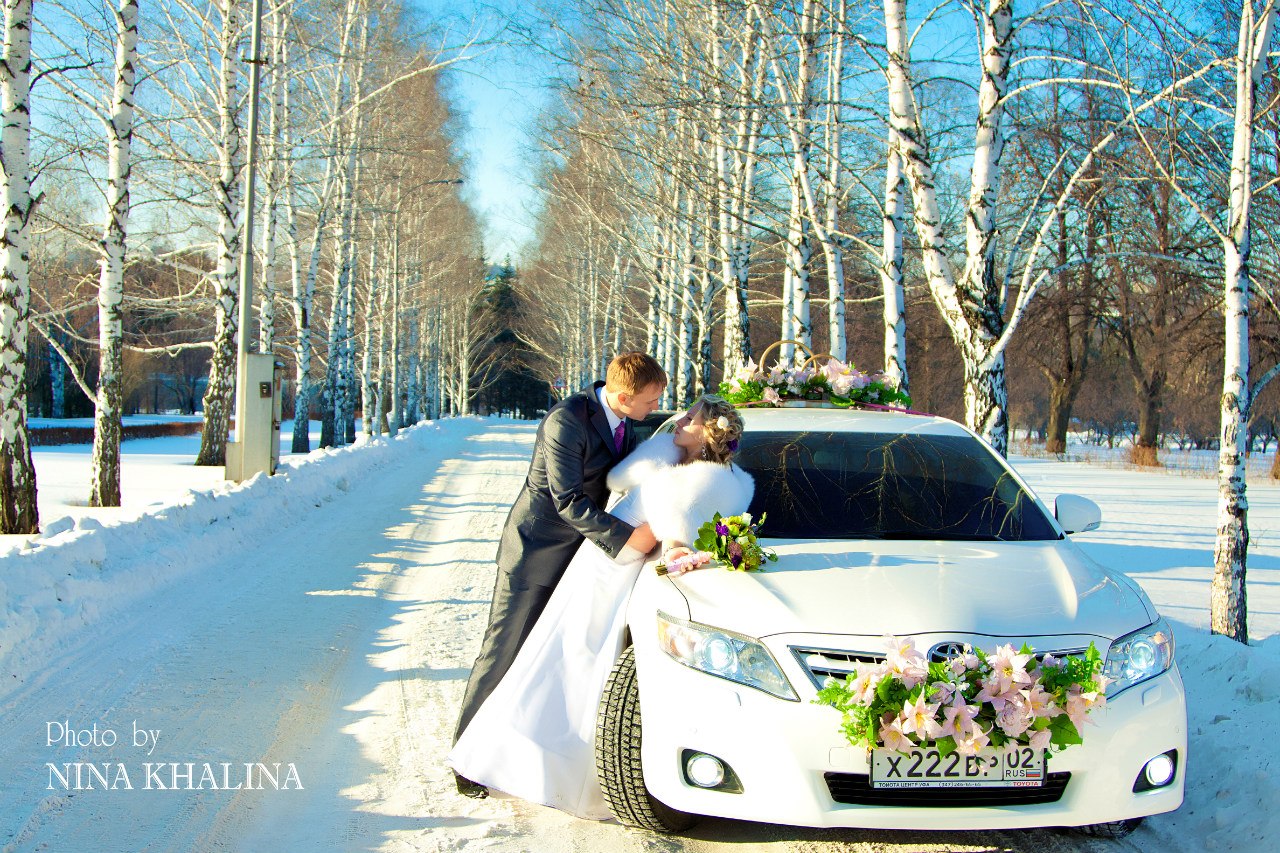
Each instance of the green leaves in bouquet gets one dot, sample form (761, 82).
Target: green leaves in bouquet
(858, 723)
(1064, 732)
(707, 538)
(748, 392)
(1073, 669)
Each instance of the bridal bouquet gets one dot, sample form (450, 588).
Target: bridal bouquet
(839, 383)
(969, 701)
(730, 541)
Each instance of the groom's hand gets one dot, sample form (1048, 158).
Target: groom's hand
(642, 539)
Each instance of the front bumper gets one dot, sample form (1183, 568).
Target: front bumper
(782, 751)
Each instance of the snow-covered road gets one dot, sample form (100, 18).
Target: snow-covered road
(330, 634)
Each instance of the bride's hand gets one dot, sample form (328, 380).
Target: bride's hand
(676, 553)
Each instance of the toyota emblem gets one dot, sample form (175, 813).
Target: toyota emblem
(943, 651)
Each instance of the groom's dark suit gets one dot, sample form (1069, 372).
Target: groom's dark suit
(562, 502)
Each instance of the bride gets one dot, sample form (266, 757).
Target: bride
(534, 737)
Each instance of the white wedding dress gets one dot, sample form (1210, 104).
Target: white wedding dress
(534, 736)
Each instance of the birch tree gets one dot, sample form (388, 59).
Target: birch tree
(18, 510)
(218, 397)
(1228, 602)
(105, 477)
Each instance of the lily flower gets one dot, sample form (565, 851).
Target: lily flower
(972, 741)
(893, 737)
(1040, 702)
(919, 717)
(1009, 668)
(958, 717)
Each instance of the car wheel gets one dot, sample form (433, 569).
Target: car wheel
(618, 755)
(1113, 829)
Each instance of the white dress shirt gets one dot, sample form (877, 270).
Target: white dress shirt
(627, 553)
(614, 420)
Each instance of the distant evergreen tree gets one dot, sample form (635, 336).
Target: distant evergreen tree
(505, 376)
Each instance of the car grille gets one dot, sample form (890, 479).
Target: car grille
(822, 664)
(855, 789)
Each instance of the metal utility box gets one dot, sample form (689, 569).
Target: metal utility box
(257, 444)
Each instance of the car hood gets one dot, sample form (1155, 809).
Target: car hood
(876, 587)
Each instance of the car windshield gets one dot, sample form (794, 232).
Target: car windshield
(860, 485)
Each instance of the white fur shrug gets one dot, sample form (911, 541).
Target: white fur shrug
(678, 499)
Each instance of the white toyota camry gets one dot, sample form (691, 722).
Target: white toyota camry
(884, 524)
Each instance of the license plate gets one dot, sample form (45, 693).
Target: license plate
(1012, 766)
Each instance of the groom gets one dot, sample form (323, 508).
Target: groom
(562, 502)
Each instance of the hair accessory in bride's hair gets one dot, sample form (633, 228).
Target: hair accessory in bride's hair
(733, 445)
(722, 422)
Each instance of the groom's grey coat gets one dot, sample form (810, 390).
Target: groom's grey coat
(564, 494)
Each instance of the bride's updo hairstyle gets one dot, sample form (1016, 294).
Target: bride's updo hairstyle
(722, 425)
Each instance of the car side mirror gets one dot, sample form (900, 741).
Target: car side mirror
(1076, 514)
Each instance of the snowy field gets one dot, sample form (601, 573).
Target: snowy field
(325, 620)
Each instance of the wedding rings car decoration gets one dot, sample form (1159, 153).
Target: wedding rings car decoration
(820, 378)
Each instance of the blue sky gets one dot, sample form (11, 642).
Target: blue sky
(499, 94)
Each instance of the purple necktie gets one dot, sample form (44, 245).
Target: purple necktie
(618, 435)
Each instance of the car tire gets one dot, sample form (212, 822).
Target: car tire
(1113, 829)
(618, 755)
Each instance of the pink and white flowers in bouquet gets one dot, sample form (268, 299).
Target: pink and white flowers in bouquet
(840, 383)
(969, 701)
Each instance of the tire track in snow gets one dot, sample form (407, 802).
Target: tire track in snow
(234, 663)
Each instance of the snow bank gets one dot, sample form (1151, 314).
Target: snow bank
(81, 570)
(1233, 705)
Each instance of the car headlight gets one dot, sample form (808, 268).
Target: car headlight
(1137, 657)
(725, 654)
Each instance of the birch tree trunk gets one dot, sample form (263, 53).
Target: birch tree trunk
(370, 423)
(396, 412)
(832, 248)
(895, 302)
(18, 510)
(105, 475)
(752, 81)
(347, 246)
(302, 288)
(798, 94)
(331, 431)
(58, 378)
(973, 307)
(423, 392)
(1228, 603)
(218, 396)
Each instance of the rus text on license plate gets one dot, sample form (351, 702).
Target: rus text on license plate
(1011, 766)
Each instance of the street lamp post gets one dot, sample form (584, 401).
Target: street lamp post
(247, 427)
